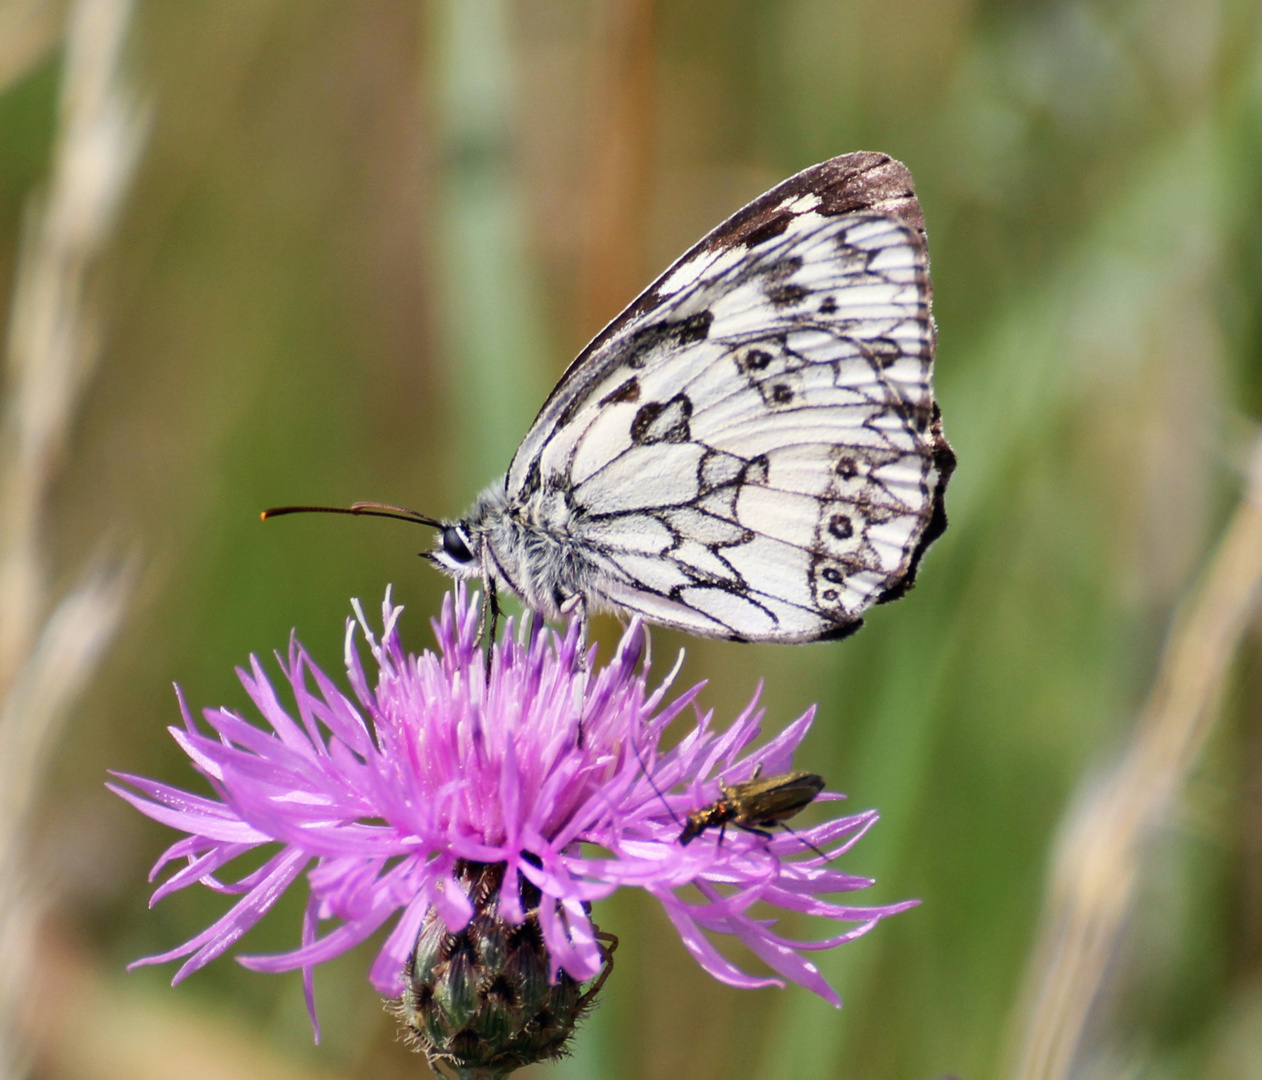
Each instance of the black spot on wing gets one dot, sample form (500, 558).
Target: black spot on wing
(531, 483)
(628, 391)
(780, 393)
(841, 526)
(679, 332)
(764, 229)
(882, 352)
(753, 360)
(787, 295)
(782, 268)
(660, 421)
(694, 328)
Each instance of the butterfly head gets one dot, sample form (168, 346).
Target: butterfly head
(464, 547)
(456, 552)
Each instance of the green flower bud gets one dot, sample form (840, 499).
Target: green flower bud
(479, 1000)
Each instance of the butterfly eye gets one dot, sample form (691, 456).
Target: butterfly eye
(454, 545)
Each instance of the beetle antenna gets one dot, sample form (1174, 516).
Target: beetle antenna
(359, 509)
(656, 790)
(794, 832)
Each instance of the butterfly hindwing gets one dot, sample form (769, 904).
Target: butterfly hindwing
(751, 449)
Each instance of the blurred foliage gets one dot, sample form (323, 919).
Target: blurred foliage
(352, 264)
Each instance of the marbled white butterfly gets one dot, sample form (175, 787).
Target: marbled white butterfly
(752, 449)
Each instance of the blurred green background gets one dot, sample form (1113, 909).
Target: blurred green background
(364, 240)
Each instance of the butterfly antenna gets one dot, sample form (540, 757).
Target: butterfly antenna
(359, 509)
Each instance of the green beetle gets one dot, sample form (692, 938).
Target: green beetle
(755, 804)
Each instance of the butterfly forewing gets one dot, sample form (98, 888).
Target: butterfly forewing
(752, 449)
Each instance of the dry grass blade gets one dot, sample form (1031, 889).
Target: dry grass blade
(63, 660)
(1098, 860)
(49, 649)
(28, 31)
(51, 343)
(70, 643)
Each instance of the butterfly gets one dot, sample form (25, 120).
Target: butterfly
(752, 449)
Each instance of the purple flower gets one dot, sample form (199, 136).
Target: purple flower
(393, 791)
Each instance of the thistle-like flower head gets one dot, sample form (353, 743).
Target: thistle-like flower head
(547, 770)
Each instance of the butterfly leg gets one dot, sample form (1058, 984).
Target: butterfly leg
(488, 623)
(493, 604)
(493, 622)
(576, 606)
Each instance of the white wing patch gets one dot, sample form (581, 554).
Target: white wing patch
(753, 450)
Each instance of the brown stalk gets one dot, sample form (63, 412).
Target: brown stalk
(620, 158)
